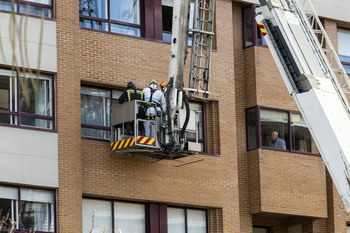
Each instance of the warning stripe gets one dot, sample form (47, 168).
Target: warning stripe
(122, 144)
(262, 29)
(146, 140)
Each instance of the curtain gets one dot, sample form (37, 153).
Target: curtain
(176, 220)
(196, 221)
(129, 218)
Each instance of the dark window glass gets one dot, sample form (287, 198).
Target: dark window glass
(261, 229)
(247, 26)
(167, 20)
(252, 35)
(251, 128)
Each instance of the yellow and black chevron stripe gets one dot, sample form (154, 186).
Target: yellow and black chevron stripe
(131, 141)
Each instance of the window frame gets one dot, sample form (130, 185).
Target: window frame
(18, 114)
(40, 5)
(258, 131)
(19, 187)
(202, 141)
(185, 215)
(152, 217)
(344, 62)
(110, 21)
(98, 127)
(256, 34)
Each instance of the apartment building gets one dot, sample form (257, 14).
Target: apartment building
(63, 64)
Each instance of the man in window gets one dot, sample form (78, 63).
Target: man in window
(276, 142)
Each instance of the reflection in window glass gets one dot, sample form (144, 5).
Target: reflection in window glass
(95, 109)
(196, 221)
(129, 217)
(35, 10)
(273, 121)
(37, 210)
(301, 137)
(131, 31)
(35, 95)
(103, 215)
(92, 24)
(93, 8)
(251, 128)
(127, 11)
(176, 220)
(344, 48)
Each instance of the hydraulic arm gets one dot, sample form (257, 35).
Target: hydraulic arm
(308, 73)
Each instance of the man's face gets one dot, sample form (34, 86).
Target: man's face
(274, 136)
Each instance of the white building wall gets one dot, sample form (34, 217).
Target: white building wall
(28, 157)
(332, 9)
(28, 42)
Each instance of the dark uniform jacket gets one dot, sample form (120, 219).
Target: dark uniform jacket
(130, 95)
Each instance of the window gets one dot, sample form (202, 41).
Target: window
(30, 7)
(195, 132)
(119, 16)
(26, 100)
(348, 228)
(186, 220)
(96, 110)
(259, 229)
(35, 208)
(116, 216)
(343, 48)
(167, 20)
(252, 35)
(139, 18)
(126, 217)
(290, 127)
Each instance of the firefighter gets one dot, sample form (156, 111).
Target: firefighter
(163, 87)
(130, 94)
(153, 95)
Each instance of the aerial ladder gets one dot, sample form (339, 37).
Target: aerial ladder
(314, 76)
(168, 138)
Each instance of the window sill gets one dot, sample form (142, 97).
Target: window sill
(29, 128)
(23, 14)
(286, 151)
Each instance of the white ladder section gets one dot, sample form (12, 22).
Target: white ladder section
(309, 74)
(202, 34)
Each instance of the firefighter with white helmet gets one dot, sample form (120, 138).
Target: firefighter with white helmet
(153, 95)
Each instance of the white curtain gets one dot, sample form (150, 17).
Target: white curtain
(37, 209)
(176, 220)
(102, 217)
(129, 218)
(197, 221)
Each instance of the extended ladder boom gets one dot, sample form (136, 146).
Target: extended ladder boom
(308, 73)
